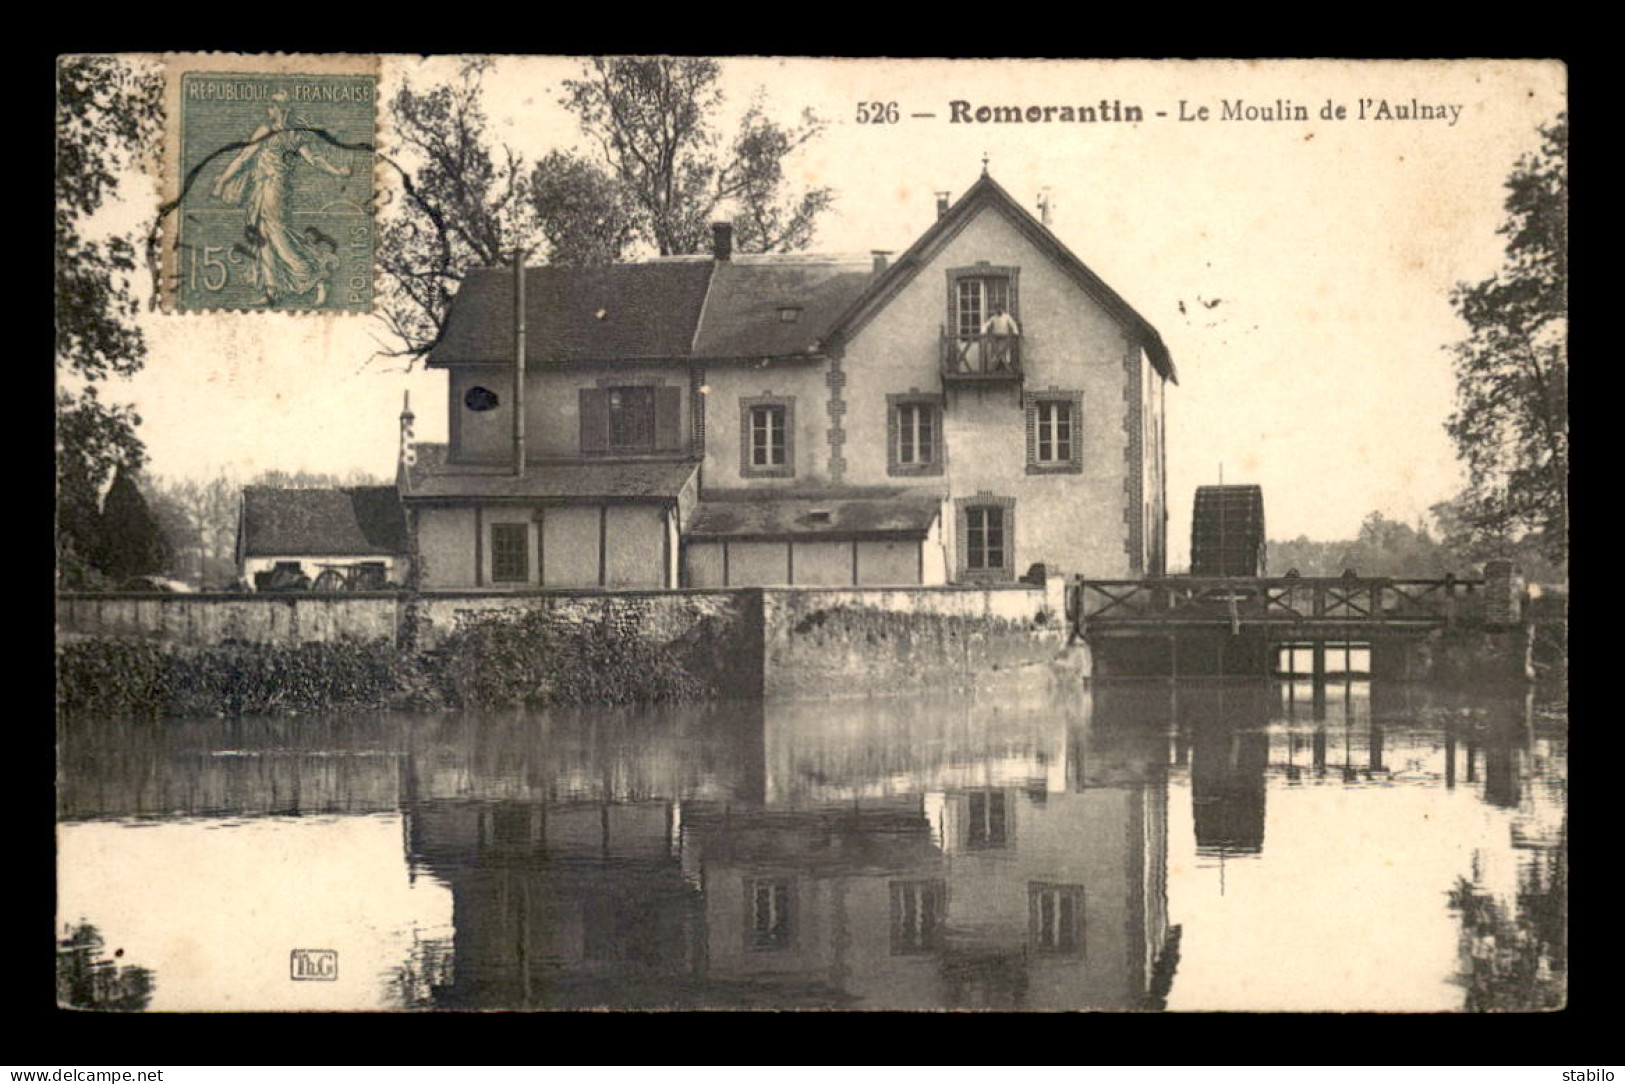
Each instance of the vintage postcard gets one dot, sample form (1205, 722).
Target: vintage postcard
(761, 533)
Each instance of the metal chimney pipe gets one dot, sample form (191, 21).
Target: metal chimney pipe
(518, 363)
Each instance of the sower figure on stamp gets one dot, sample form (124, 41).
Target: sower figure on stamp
(998, 330)
(287, 263)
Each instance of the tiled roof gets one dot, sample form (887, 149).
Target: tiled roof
(771, 306)
(617, 311)
(311, 522)
(897, 516)
(430, 459)
(676, 308)
(543, 481)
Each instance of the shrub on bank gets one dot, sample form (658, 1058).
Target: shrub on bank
(141, 678)
(534, 657)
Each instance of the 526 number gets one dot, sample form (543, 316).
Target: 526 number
(877, 113)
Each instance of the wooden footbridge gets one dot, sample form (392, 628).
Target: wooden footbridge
(1229, 618)
(1240, 624)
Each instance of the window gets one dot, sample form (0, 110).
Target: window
(631, 419)
(1055, 918)
(970, 345)
(977, 292)
(1054, 432)
(917, 912)
(766, 437)
(769, 918)
(510, 552)
(986, 827)
(914, 434)
(1053, 444)
(977, 299)
(986, 537)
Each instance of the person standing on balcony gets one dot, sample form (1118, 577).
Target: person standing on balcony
(1001, 326)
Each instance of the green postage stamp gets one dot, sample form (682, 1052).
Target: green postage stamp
(273, 189)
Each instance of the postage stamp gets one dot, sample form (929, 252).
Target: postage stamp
(272, 188)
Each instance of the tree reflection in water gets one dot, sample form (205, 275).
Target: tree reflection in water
(1514, 958)
(87, 979)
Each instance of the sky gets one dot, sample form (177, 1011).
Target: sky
(1298, 270)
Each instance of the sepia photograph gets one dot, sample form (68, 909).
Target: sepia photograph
(749, 533)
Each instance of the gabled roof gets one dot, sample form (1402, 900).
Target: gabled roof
(898, 516)
(613, 312)
(312, 522)
(987, 192)
(772, 306)
(615, 480)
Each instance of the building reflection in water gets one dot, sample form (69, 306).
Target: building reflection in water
(954, 854)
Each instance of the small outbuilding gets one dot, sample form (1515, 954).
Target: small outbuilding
(327, 539)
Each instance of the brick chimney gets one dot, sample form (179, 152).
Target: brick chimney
(942, 204)
(722, 240)
(880, 256)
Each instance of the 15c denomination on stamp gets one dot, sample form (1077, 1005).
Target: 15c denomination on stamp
(271, 185)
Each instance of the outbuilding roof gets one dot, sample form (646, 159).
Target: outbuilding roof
(313, 522)
(615, 480)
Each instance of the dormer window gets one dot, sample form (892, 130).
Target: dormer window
(789, 314)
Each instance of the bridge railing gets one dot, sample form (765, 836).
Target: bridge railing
(1282, 599)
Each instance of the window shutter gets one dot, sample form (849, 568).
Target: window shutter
(1015, 301)
(594, 420)
(668, 420)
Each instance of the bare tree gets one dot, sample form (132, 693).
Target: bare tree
(465, 204)
(657, 174)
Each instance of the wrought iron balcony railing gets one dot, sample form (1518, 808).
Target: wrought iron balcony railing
(981, 357)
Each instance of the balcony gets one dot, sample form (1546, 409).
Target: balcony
(978, 359)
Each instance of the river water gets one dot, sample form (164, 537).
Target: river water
(1131, 846)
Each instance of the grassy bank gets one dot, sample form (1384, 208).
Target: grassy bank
(496, 660)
